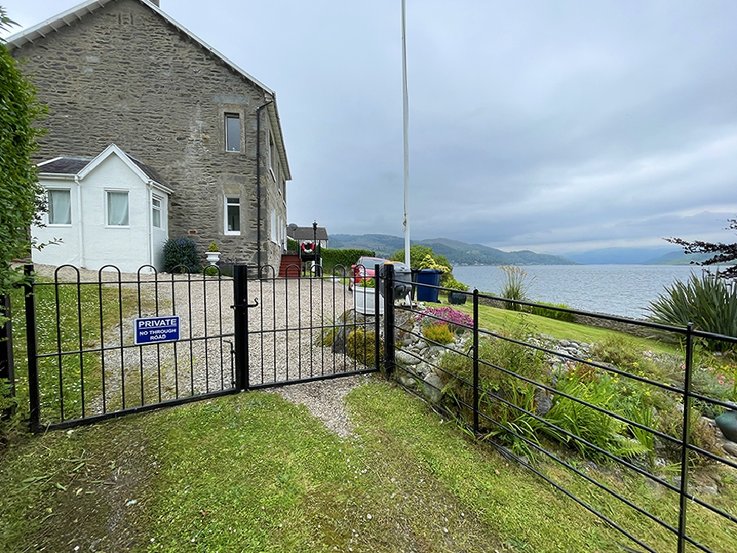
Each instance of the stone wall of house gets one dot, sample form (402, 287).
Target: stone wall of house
(123, 75)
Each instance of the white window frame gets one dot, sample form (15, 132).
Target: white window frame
(228, 115)
(71, 208)
(107, 218)
(227, 203)
(155, 198)
(274, 227)
(271, 146)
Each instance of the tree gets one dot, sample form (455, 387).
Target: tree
(22, 196)
(723, 253)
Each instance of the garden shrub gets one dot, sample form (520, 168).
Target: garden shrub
(586, 422)
(706, 300)
(669, 421)
(360, 346)
(542, 311)
(334, 259)
(180, 255)
(514, 357)
(438, 332)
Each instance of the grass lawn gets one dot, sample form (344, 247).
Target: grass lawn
(253, 472)
(493, 318)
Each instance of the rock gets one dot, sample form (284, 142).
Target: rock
(543, 402)
(433, 387)
(421, 345)
(406, 359)
(730, 448)
(406, 380)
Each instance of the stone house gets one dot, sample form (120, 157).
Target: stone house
(123, 72)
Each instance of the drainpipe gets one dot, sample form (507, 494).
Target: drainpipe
(80, 216)
(258, 182)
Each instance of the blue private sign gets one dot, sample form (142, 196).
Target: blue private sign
(154, 330)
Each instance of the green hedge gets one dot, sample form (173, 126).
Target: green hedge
(346, 258)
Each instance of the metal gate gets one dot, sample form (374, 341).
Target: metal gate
(104, 344)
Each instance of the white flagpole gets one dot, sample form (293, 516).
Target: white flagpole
(405, 113)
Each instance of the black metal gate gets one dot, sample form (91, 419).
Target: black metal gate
(89, 359)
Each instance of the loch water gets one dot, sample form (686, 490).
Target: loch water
(624, 290)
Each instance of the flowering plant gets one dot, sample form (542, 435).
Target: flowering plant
(457, 320)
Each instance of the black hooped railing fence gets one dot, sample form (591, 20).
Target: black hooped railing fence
(249, 331)
(482, 423)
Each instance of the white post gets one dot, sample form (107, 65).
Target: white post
(405, 113)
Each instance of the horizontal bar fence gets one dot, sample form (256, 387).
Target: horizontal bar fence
(532, 398)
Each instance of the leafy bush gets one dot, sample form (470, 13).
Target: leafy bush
(707, 301)
(22, 196)
(509, 420)
(552, 313)
(454, 284)
(339, 260)
(360, 346)
(180, 255)
(515, 286)
(585, 422)
(438, 332)
(417, 254)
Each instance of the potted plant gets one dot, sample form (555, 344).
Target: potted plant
(213, 253)
(455, 294)
(429, 273)
(364, 294)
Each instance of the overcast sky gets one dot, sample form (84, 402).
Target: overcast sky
(553, 125)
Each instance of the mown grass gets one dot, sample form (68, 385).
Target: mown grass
(493, 318)
(253, 472)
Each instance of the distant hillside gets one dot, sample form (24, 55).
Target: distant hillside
(679, 258)
(620, 256)
(457, 252)
(659, 255)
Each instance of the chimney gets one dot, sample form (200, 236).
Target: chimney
(155, 2)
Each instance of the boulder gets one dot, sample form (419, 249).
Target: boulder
(433, 387)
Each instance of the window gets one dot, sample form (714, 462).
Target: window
(271, 153)
(117, 209)
(232, 132)
(60, 207)
(156, 211)
(232, 215)
(273, 226)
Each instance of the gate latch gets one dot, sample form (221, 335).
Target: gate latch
(246, 305)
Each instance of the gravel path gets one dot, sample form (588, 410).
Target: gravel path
(284, 335)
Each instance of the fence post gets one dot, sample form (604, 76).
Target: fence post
(389, 320)
(7, 371)
(33, 392)
(377, 317)
(240, 325)
(685, 438)
(476, 361)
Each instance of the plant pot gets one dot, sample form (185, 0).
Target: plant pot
(364, 298)
(430, 277)
(727, 423)
(213, 257)
(456, 298)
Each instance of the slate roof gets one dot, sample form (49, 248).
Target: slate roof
(71, 165)
(306, 233)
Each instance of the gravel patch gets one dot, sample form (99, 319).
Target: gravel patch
(326, 400)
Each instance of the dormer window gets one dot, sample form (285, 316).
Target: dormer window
(232, 132)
